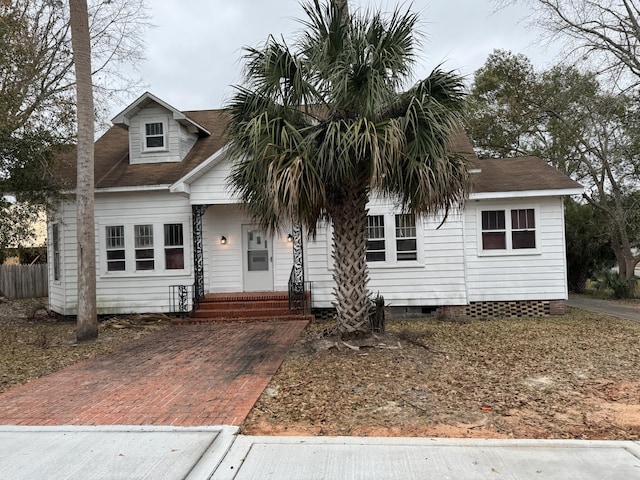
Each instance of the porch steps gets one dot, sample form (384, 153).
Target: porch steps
(234, 307)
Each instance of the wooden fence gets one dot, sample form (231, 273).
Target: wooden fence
(24, 281)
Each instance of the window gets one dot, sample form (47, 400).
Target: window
(523, 225)
(154, 136)
(518, 234)
(173, 246)
(375, 239)
(115, 248)
(55, 247)
(493, 230)
(143, 235)
(406, 238)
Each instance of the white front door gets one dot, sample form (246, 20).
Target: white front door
(257, 253)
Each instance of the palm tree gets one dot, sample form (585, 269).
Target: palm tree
(319, 126)
(87, 322)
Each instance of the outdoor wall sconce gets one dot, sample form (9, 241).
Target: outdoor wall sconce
(223, 240)
(289, 238)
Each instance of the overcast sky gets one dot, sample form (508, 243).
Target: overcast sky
(194, 52)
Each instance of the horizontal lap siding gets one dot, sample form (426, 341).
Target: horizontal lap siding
(540, 276)
(212, 187)
(439, 280)
(130, 292)
(224, 262)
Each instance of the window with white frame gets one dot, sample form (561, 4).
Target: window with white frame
(406, 240)
(154, 136)
(146, 248)
(376, 251)
(173, 246)
(391, 239)
(143, 243)
(114, 237)
(517, 234)
(523, 228)
(55, 247)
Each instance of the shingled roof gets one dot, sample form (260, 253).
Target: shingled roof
(113, 170)
(519, 174)
(112, 167)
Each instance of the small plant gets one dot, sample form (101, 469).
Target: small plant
(376, 314)
(610, 280)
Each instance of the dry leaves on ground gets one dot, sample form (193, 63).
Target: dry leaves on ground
(33, 344)
(575, 376)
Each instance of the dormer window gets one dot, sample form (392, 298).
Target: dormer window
(155, 136)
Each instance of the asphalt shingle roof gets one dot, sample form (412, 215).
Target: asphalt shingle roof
(112, 168)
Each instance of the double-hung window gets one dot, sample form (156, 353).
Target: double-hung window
(391, 239)
(519, 233)
(493, 230)
(114, 236)
(406, 245)
(55, 241)
(145, 257)
(523, 228)
(173, 246)
(375, 239)
(154, 136)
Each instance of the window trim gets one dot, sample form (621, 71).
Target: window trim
(158, 223)
(143, 135)
(56, 237)
(390, 238)
(509, 250)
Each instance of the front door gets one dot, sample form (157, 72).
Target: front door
(257, 262)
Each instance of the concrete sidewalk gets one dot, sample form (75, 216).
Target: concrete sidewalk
(217, 453)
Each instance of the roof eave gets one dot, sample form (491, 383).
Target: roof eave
(527, 193)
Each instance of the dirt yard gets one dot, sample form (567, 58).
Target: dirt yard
(576, 376)
(33, 344)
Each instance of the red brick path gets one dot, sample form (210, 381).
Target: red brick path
(192, 375)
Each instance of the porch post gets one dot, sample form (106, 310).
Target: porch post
(198, 258)
(298, 259)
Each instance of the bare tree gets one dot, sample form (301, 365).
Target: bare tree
(87, 326)
(603, 33)
(37, 88)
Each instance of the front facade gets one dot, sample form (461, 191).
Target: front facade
(168, 229)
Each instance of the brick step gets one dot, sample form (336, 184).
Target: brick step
(235, 313)
(245, 296)
(197, 320)
(243, 305)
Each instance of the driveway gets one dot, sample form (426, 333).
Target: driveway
(188, 375)
(606, 307)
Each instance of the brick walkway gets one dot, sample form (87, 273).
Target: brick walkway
(191, 375)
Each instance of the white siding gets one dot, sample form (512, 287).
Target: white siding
(211, 187)
(179, 140)
(517, 275)
(123, 292)
(223, 263)
(437, 278)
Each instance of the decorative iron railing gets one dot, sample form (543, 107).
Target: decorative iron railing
(182, 299)
(299, 294)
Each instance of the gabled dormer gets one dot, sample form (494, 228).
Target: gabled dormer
(158, 132)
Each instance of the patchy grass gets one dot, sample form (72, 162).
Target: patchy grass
(33, 344)
(575, 376)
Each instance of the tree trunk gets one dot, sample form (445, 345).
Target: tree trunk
(87, 322)
(350, 271)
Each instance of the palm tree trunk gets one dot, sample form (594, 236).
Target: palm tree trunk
(87, 321)
(350, 272)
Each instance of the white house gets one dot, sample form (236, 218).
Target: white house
(165, 218)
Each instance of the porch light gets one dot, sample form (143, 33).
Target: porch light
(289, 238)
(223, 240)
